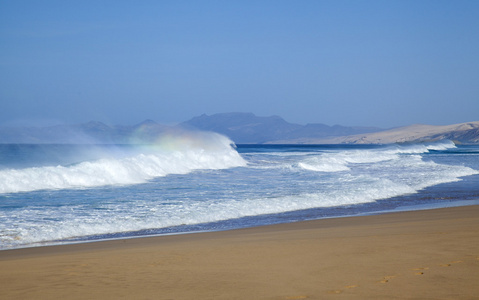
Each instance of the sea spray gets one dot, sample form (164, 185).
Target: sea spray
(169, 155)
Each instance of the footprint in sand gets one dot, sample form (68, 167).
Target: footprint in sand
(386, 279)
(451, 263)
(445, 265)
(420, 269)
(351, 286)
(419, 273)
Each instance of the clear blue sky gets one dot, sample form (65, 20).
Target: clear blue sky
(382, 63)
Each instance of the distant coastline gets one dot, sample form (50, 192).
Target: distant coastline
(463, 133)
(241, 128)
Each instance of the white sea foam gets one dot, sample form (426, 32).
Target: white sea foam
(340, 190)
(342, 161)
(123, 217)
(336, 162)
(269, 184)
(425, 147)
(324, 163)
(174, 155)
(441, 145)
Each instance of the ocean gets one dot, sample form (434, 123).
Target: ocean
(57, 194)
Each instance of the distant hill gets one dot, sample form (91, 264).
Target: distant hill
(242, 128)
(246, 128)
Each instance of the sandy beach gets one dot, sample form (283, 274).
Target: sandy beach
(432, 254)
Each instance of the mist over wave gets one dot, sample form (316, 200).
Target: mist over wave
(170, 154)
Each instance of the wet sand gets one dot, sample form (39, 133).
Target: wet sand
(431, 254)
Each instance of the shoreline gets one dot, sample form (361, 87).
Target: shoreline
(205, 226)
(136, 234)
(397, 255)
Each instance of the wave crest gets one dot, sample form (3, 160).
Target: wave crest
(341, 161)
(173, 154)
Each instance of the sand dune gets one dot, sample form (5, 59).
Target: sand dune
(467, 133)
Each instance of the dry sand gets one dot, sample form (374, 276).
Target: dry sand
(430, 254)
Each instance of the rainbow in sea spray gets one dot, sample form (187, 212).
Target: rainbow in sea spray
(175, 152)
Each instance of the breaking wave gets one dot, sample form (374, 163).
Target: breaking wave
(337, 162)
(171, 155)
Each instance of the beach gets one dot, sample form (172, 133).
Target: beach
(429, 254)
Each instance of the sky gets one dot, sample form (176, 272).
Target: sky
(353, 63)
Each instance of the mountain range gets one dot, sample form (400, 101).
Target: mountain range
(242, 128)
(246, 128)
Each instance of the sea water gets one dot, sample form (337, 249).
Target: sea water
(54, 194)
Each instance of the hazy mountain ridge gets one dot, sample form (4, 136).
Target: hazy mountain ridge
(250, 129)
(246, 128)
(242, 128)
